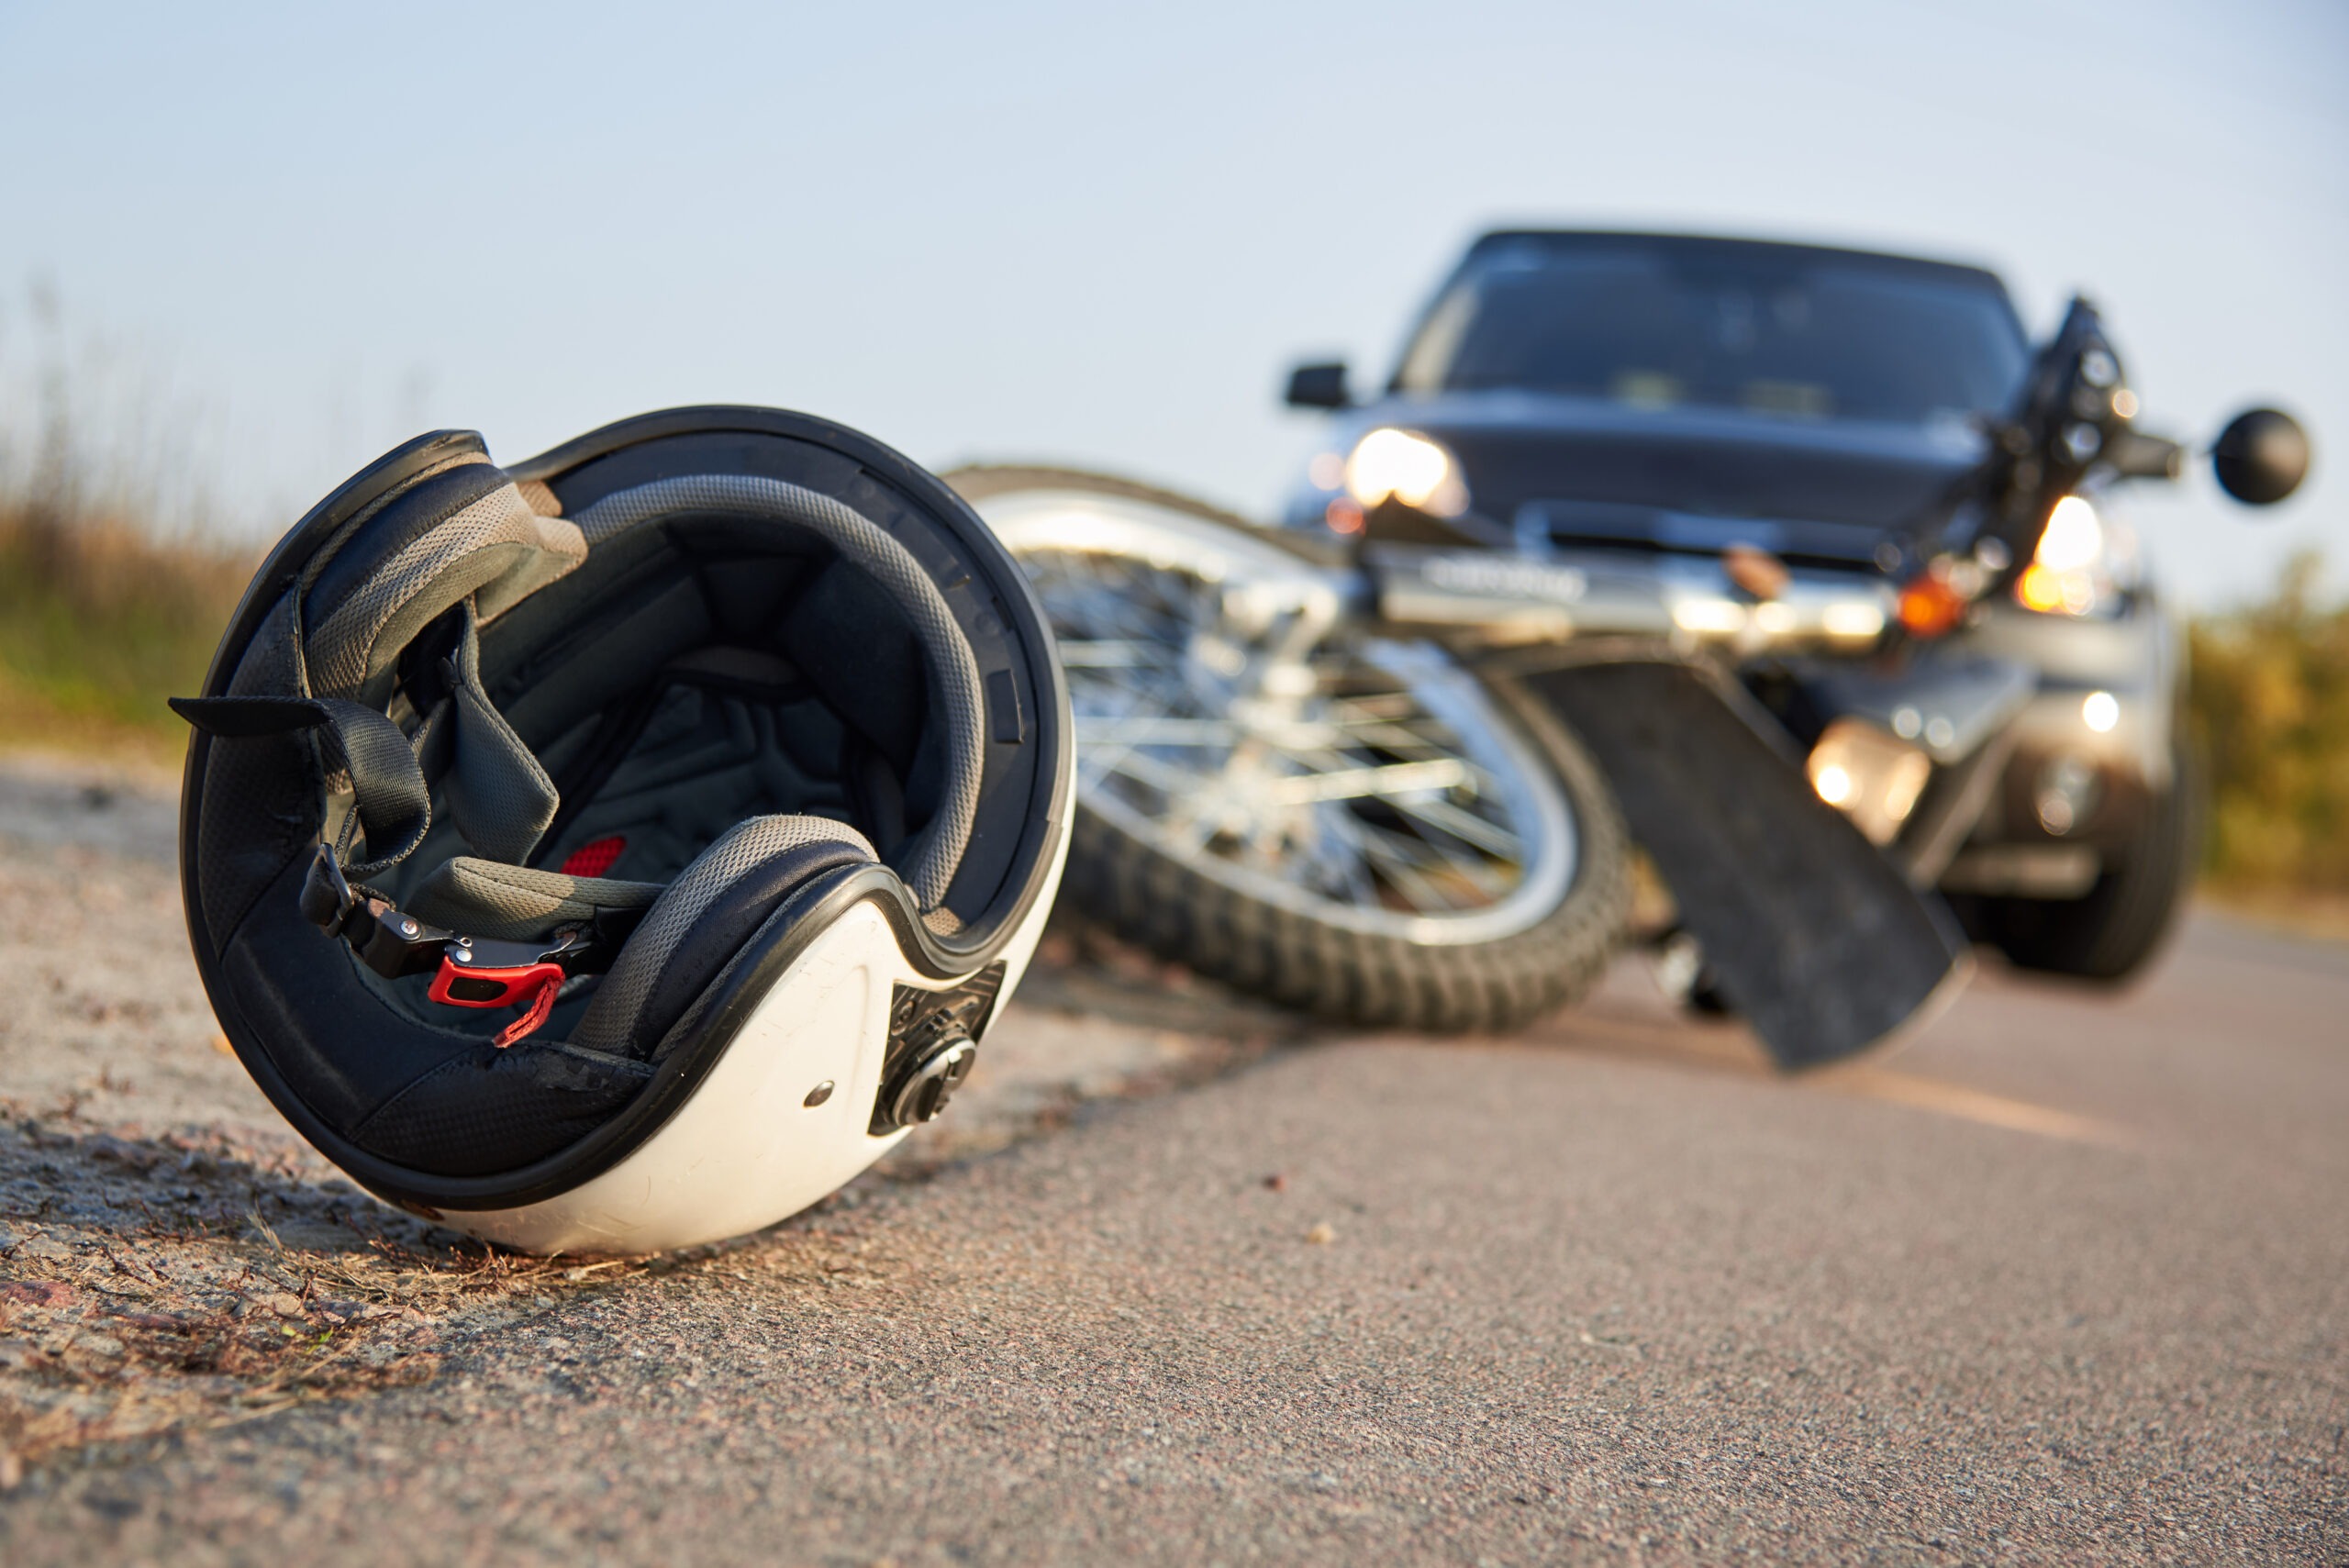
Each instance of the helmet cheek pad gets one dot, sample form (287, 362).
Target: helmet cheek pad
(622, 851)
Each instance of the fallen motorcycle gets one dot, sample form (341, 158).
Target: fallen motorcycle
(1800, 567)
(1277, 791)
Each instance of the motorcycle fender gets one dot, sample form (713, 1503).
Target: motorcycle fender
(1816, 937)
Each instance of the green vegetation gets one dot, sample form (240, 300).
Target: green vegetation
(114, 582)
(99, 623)
(2270, 712)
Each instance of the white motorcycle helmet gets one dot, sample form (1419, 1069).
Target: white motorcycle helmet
(622, 851)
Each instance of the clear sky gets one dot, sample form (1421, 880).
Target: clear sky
(1099, 234)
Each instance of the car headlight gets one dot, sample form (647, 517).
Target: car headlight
(1411, 469)
(2077, 569)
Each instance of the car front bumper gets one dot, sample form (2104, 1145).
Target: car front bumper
(2093, 752)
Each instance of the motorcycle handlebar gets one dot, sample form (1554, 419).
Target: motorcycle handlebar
(2138, 456)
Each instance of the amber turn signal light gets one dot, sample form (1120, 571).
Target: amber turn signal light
(1930, 607)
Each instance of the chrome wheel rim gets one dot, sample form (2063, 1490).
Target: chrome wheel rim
(1227, 717)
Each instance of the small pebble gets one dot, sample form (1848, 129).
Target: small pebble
(1323, 1234)
(1276, 1182)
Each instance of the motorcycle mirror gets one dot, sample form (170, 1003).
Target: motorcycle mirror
(1320, 385)
(2261, 457)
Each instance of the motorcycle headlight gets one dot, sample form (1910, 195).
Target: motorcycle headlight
(2076, 570)
(1412, 469)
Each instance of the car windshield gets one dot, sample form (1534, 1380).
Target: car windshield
(1770, 330)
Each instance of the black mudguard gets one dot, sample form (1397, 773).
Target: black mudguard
(1815, 936)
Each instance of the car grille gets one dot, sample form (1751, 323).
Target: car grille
(1654, 530)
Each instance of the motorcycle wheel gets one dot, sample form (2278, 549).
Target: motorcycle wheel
(1349, 825)
(2114, 929)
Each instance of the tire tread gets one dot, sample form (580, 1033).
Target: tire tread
(1361, 978)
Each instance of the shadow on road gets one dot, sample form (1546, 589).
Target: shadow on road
(1082, 970)
(149, 1283)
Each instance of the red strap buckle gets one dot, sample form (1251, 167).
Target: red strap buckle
(467, 985)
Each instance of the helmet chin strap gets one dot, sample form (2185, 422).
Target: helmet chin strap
(393, 806)
(472, 972)
(390, 800)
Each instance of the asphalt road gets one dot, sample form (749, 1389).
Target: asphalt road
(2067, 1281)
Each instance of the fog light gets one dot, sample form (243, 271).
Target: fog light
(2068, 790)
(1872, 777)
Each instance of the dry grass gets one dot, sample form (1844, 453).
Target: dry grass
(114, 576)
(99, 623)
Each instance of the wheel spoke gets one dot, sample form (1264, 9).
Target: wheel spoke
(1156, 729)
(1112, 654)
(1362, 775)
(1357, 783)
(1396, 866)
(1467, 827)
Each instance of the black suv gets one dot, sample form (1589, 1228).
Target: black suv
(1745, 422)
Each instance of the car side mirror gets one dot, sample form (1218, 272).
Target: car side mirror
(1318, 386)
(2261, 457)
